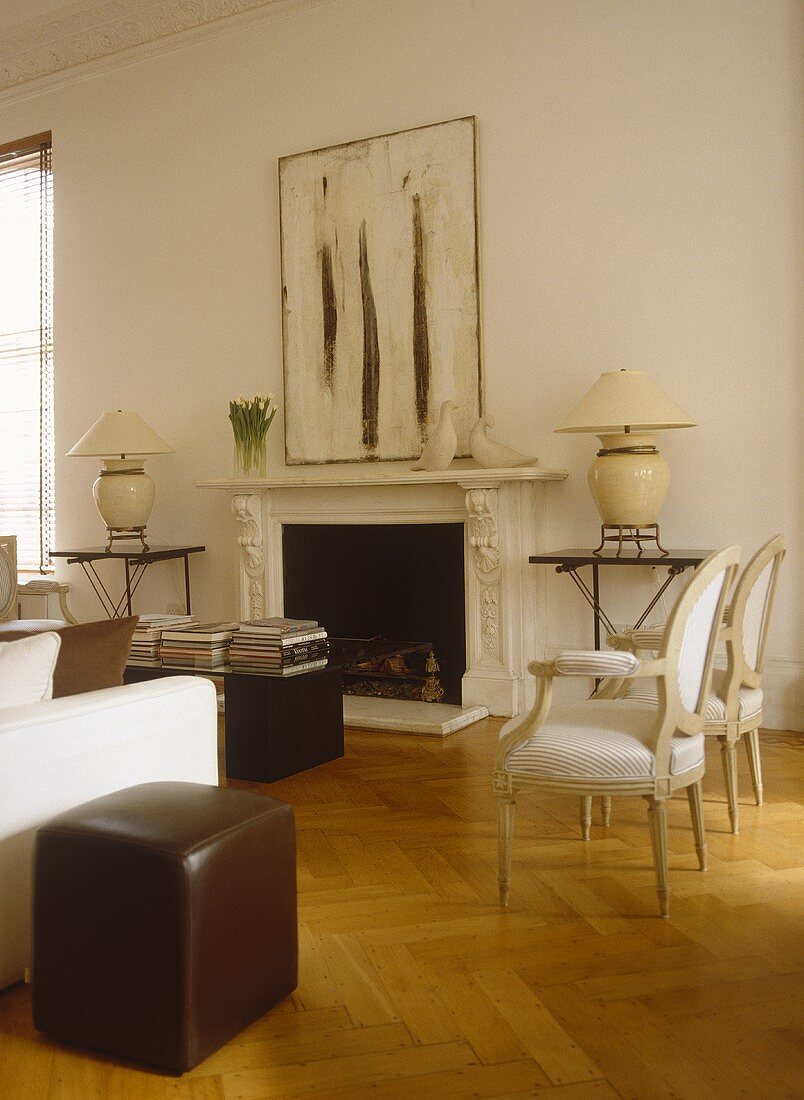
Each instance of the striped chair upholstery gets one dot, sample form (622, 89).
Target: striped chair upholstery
(695, 642)
(749, 705)
(582, 662)
(605, 740)
(757, 607)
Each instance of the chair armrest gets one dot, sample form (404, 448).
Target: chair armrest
(582, 662)
(598, 663)
(632, 640)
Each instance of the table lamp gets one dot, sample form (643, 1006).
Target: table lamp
(124, 493)
(628, 478)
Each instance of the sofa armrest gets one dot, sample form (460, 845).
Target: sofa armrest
(173, 689)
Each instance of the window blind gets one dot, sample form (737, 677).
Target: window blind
(26, 349)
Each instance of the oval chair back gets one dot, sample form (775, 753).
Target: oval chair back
(750, 611)
(688, 647)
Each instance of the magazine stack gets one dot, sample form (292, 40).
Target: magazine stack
(279, 647)
(148, 634)
(197, 645)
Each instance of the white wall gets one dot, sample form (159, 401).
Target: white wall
(640, 204)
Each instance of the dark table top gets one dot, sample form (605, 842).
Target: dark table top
(164, 669)
(627, 556)
(157, 553)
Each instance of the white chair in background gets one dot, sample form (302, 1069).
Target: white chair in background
(734, 706)
(10, 593)
(8, 577)
(622, 746)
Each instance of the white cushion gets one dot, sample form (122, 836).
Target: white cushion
(603, 739)
(581, 662)
(26, 669)
(749, 706)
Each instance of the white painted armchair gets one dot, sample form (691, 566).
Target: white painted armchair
(734, 706)
(8, 577)
(621, 746)
(9, 593)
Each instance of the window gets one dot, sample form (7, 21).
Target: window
(26, 349)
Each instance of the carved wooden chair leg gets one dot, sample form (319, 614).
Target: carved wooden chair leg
(695, 796)
(506, 811)
(728, 755)
(605, 809)
(658, 836)
(586, 815)
(754, 763)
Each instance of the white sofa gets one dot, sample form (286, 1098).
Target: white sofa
(61, 752)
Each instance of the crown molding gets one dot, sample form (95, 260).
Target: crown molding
(79, 39)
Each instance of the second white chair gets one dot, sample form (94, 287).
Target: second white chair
(734, 707)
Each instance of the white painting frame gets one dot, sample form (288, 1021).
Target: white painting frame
(380, 293)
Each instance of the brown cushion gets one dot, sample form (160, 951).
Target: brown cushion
(92, 655)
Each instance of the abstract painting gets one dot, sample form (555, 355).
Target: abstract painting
(380, 310)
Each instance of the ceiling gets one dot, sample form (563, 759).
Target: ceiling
(42, 38)
(13, 12)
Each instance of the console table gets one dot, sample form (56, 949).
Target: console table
(135, 563)
(275, 726)
(570, 561)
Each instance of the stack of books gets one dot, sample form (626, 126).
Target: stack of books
(279, 647)
(148, 634)
(197, 645)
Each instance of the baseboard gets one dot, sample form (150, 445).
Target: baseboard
(783, 688)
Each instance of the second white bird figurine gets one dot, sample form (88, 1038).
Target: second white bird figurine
(442, 441)
(491, 455)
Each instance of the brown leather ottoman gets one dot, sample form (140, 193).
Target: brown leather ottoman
(164, 920)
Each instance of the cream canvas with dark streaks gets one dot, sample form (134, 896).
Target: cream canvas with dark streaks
(380, 293)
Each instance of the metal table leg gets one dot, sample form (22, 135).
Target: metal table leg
(128, 586)
(187, 583)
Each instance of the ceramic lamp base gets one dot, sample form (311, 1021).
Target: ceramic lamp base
(628, 480)
(124, 496)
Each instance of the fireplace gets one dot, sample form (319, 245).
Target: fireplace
(401, 584)
(498, 515)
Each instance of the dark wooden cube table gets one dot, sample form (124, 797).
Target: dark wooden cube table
(275, 726)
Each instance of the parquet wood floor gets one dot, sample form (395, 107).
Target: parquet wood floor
(413, 983)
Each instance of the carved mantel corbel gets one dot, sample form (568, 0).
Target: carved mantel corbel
(481, 504)
(247, 508)
(484, 540)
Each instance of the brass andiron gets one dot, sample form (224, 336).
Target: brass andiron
(433, 691)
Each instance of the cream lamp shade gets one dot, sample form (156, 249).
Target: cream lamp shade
(124, 493)
(628, 478)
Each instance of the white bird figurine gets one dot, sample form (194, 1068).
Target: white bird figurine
(491, 455)
(442, 441)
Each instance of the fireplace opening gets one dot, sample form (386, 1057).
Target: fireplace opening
(388, 594)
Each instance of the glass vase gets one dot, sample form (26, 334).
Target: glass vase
(249, 458)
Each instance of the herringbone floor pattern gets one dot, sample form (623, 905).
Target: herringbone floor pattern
(414, 984)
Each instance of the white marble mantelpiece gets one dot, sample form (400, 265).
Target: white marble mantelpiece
(503, 513)
(461, 473)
